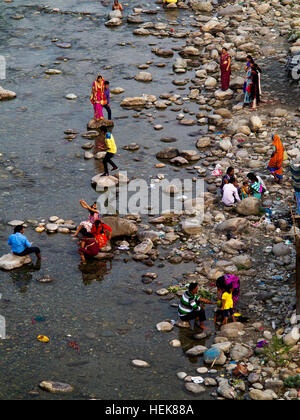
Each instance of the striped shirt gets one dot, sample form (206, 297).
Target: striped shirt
(188, 304)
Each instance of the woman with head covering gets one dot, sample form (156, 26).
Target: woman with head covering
(225, 64)
(98, 98)
(275, 164)
(255, 85)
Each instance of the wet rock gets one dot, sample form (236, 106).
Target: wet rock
(113, 22)
(10, 262)
(133, 102)
(140, 363)
(102, 182)
(120, 227)
(168, 154)
(194, 388)
(56, 387)
(143, 76)
(196, 351)
(46, 279)
(226, 391)
(144, 248)
(164, 326)
(6, 95)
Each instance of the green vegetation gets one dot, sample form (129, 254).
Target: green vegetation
(277, 352)
(292, 382)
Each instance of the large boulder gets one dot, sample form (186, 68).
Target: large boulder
(250, 206)
(10, 262)
(103, 182)
(236, 224)
(120, 227)
(202, 6)
(255, 123)
(144, 247)
(96, 125)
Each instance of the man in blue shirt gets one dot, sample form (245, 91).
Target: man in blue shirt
(20, 245)
(107, 96)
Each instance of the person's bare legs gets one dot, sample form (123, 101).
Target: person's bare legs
(77, 231)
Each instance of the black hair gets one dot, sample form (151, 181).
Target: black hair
(227, 287)
(220, 282)
(232, 180)
(86, 234)
(250, 57)
(18, 228)
(252, 177)
(192, 286)
(106, 82)
(230, 169)
(104, 129)
(92, 206)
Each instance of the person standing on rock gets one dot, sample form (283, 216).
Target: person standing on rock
(190, 309)
(254, 86)
(111, 150)
(20, 245)
(276, 161)
(233, 282)
(225, 65)
(107, 96)
(98, 98)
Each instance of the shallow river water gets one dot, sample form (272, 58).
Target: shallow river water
(103, 309)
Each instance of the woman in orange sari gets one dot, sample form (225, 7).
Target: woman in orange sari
(98, 98)
(275, 164)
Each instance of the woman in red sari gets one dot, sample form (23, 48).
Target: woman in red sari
(276, 161)
(98, 98)
(225, 64)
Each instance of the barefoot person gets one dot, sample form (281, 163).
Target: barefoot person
(189, 307)
(111, 150)
(20, 245)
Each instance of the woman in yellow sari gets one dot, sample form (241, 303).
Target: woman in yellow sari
(275, 164)
(98, 98)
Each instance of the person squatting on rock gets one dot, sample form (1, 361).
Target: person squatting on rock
(190, 309)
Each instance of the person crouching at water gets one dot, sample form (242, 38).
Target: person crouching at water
(189, 307)
(89, 246)
(102, 233)
(111, 148)
(20, 245)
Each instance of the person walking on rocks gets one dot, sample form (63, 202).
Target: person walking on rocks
(111, 150)
(225, 65)
(20, 245)
(190, 309)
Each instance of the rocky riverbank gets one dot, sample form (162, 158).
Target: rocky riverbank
(260, 250)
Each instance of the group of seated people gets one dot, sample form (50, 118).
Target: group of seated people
(233, 193)
(95, 234)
